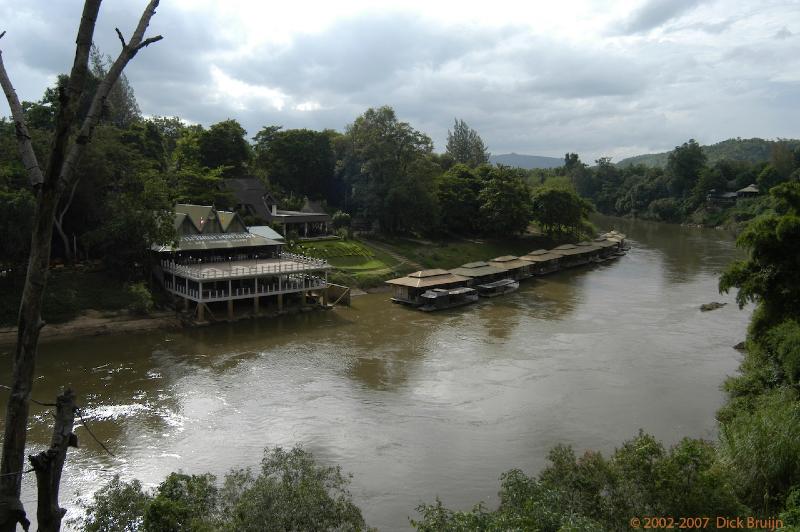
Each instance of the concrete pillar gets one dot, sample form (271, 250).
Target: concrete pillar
(280, 302)
(230, 309)
(186, 304)
(305, 229)
(255, 305)
(200, 312)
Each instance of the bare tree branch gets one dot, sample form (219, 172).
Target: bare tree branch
(149, 41)
(70, 98)
(96, 108)
(24, 143)
(121, 38)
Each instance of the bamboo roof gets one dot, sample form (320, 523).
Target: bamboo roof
(579, 250)
(477, 269)
(509, 262)
(534, 256)
(428, 279)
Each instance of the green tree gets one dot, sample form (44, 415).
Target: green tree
(224, 144)
(768, 178)
(458, 193)
(559, 210)
(465, 146)
(684, 165)
(505, 202)
(768, 277)
(300, 161)
(390, 177)
(290, 491)
(590, 492)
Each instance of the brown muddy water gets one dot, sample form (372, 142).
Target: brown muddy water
(416, 405)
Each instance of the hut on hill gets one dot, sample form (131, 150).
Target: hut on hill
(517, 269)
(480, 272)
(408, 289)
(750, 191)
(543, 261)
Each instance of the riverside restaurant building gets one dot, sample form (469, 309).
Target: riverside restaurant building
(217, 265)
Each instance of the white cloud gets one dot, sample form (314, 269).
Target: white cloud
(612, 77)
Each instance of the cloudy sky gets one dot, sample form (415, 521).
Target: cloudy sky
(602, 78)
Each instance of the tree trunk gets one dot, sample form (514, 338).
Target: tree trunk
(65, 152)
(49, 464)
(30, 323)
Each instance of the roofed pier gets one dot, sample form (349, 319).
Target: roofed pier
(210, 267)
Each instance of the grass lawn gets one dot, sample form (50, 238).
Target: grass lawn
(69, 292)
(452, 253)
(356, 263)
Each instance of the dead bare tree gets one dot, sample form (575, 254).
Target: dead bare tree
(50, 184)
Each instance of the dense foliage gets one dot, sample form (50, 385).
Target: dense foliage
(289, 492)
(689, 186)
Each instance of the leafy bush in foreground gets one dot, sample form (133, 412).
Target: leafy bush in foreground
(290, 492)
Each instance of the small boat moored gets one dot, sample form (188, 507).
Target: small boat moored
(442, 298)
(497, 288)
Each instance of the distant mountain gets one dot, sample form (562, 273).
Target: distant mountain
(750, 150)
(528, 162)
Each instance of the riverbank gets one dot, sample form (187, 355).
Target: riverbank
(96, 323)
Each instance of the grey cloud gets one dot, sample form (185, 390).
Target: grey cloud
(523, 92)
(783, 33)
(655, 13)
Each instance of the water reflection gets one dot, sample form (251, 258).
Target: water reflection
(685, 252)
(414, 404)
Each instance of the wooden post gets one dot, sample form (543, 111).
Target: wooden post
(186, 304)
(255, 305)
(280, 302)
(325, 296)
(230, 310)
(200, 312)
(49, 464)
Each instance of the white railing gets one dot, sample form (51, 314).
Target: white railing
(299, 263)
(292, 285)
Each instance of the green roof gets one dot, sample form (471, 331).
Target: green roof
(198, 214)
(266, 231)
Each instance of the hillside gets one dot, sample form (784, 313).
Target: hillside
(528, 162)
(751, 150)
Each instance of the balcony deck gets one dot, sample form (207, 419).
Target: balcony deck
(243, 269)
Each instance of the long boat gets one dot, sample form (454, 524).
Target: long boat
(497, 288)
(442, 298)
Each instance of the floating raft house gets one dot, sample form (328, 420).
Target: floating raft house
(409, 289)
(480, 272)
(501, 274)
(517, 269)
(543, 261)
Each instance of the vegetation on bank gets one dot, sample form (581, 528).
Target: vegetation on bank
(453, 252)
(71, 291)
(689, 188)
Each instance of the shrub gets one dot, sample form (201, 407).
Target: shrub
(290, 492)
(141, 299)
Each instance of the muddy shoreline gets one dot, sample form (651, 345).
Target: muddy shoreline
(94, 323)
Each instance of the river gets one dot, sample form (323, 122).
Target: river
(416, 405)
